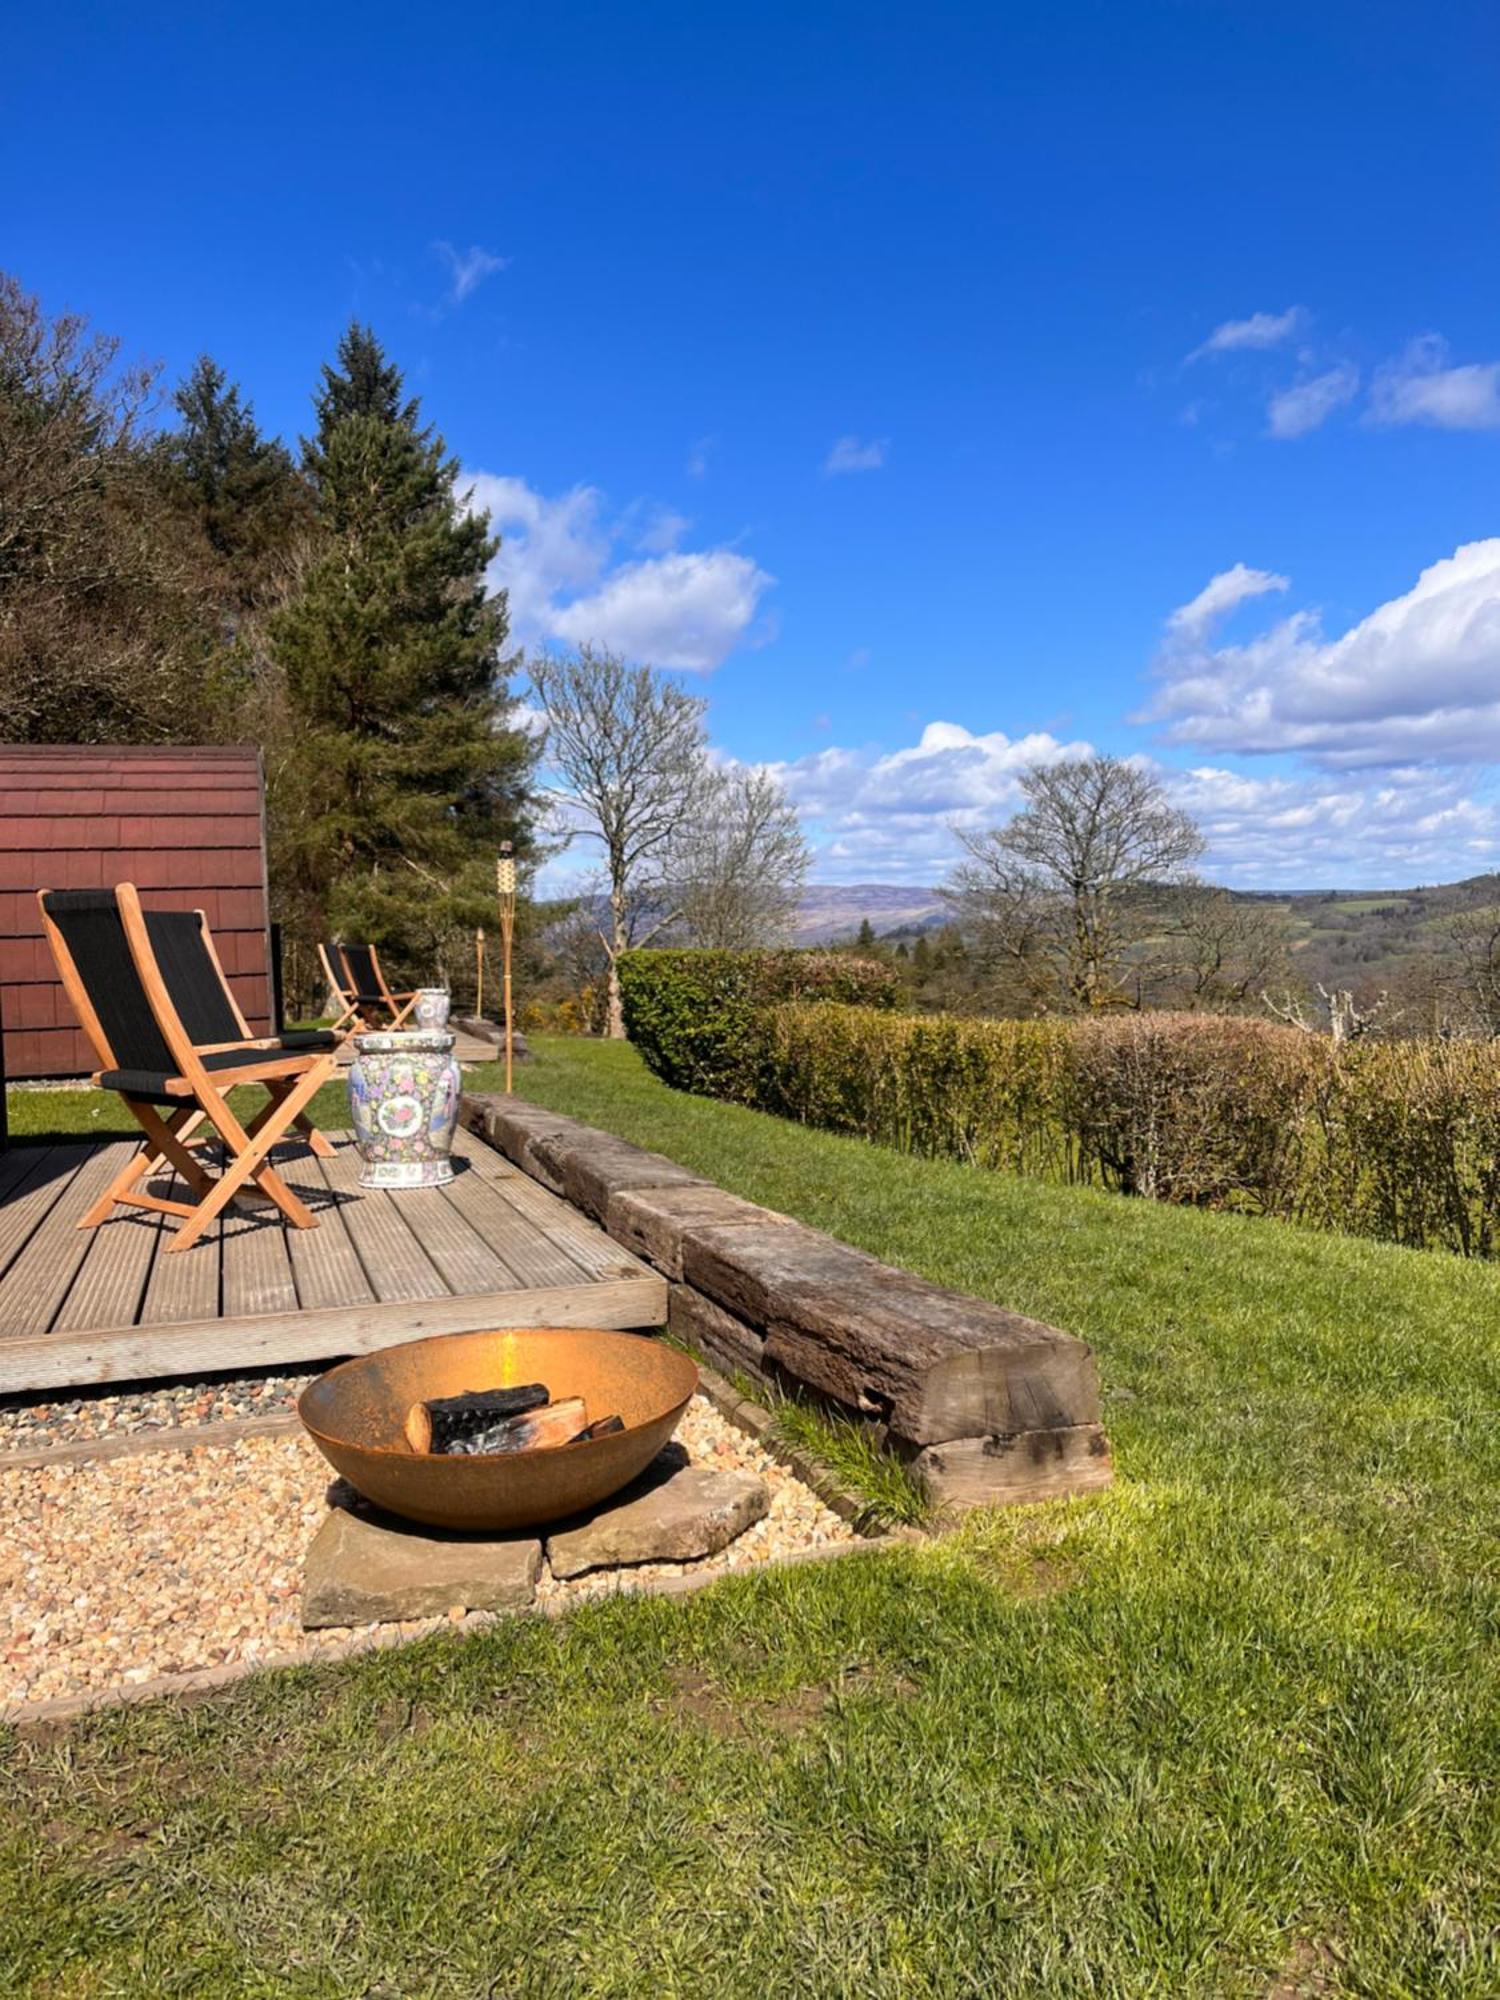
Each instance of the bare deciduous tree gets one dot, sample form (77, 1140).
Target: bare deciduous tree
(1063, 891)
(1220, 950)
(1474, 935)
(628, 746)
(102, 611)
(739, 863)
(1344, 1018)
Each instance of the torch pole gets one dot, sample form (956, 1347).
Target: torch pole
(505, 885)
(479, 974)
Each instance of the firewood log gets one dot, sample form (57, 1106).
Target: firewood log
(557, 1424)
(438, 1424)
(606, 1427)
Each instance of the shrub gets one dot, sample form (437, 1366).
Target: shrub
(701, 1019)
(1195, 1108)
(1399, 1140)
(990, 1092)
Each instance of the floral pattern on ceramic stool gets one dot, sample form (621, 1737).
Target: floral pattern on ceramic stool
(403, 1098)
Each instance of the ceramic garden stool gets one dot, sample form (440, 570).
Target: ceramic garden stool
(403, 1096)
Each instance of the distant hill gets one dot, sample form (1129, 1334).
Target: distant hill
(1363, 938)
(832, 910)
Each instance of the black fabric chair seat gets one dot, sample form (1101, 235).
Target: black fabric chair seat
(151, 1084)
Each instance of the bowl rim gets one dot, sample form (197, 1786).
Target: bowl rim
(393, 1452)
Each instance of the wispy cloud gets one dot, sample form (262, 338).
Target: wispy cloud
(854, 454)
(1260, 330)
(1421, 388)
(700, 451)
(1302, 408)
(468, 268)
(1219, 596)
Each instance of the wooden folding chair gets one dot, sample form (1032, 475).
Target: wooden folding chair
(367, 992)
(104, 954)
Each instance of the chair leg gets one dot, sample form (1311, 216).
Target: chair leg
(315, 1140)
(321, 1146)
(250, 1161)
(163, 1142)
(402, 1012)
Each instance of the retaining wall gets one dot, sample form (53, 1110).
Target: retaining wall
(987, 1406)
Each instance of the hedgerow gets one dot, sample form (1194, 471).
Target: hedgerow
(1394, 1139)
(701, 1018)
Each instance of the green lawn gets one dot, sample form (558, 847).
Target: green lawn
(1231, 1728)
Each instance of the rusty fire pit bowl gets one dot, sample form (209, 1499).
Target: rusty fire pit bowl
(356, 1412)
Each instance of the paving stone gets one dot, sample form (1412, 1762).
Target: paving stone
(362, 1571)
(692, 1512)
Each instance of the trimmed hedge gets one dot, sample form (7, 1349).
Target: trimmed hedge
(1399, 1140)
(701, 1018)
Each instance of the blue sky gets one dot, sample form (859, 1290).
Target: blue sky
(897, 374)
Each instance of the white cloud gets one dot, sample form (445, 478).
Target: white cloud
(1421, 389)
(549, 549)
(1220, 595)
(888, 816)
(700, 452)
(1302, 408)
(469, 268)
(680, 609)
(1260, 330)
(1388, 829)
(853, 454)
(891, 816)
(1419, 677)
(687, 611)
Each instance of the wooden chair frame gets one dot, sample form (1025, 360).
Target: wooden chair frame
(303, 1123)
(339, 988)
(291, 1082)
(355, 1003)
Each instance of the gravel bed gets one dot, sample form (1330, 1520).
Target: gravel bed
(27, 1425)
(120, 1570)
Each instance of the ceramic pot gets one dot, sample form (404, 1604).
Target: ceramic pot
(403, 1098)
(431, 1010)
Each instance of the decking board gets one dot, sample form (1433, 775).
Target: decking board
(112, 1304)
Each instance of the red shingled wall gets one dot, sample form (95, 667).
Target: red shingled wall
(187, 826)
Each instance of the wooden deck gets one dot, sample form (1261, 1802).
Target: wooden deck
(81, 1306)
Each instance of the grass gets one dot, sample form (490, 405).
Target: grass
(1229, 1729)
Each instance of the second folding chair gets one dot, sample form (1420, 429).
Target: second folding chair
(102, 942)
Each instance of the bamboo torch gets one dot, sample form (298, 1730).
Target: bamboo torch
(479, 973)
(505, 885)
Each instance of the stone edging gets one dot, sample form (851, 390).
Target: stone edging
(169, 1437)
(208, 1680)
(986, 1406)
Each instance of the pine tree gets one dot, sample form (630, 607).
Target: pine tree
(865, 937)
(362, 383)
(241, 489)
(405, 772)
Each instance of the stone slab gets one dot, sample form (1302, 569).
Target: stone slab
(693, 1511)
(362, 1570)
